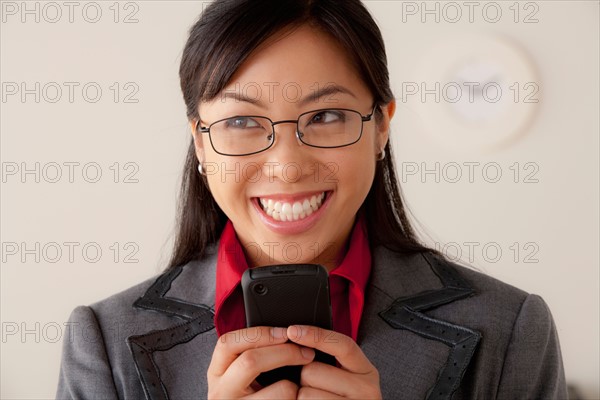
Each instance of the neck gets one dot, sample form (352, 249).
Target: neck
(329, 255)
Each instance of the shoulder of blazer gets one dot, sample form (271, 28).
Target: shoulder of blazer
(159, 314)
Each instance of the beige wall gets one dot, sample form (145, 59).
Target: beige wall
(137, 143)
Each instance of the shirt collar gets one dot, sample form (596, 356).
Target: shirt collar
(231, 264)
(356, 264)
(355, 267)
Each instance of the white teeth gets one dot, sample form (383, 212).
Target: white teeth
(297, 208)
(306, 205)
(286, 208)
(282, 211)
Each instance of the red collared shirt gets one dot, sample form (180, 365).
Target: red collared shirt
(347, 282)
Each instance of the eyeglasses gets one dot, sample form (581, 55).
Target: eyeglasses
(243, 135)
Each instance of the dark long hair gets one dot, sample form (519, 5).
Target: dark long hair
(219, 42)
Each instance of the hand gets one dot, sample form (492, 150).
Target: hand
(240, 356)
(355, 378)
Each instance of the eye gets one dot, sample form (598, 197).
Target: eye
(327, 117)
(241, 123)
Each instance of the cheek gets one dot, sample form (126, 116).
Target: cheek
(227, 184)
(355, 176)
(199, 147)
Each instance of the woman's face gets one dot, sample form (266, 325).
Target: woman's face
(319, 189)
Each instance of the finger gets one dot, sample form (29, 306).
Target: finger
(342, 347)
(245, 368)
(230, 345)
(283, 389)
(306, 392)
(338, 381)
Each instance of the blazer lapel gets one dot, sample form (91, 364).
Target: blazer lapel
(434, 353)
(184, 293)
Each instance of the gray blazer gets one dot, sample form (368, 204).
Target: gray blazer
(433, 329)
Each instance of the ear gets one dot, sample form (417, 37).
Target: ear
(197, 138)
(383, 128)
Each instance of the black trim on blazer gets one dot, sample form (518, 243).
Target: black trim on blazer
(198, 318)
(404, 313)
(407, 313)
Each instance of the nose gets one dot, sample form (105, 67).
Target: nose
(286, 135)
(285, 160)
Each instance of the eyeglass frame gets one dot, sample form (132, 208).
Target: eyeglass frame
(364, 118)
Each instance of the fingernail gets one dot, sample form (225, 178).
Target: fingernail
(307, 353)
(278, 333)
(296, 331)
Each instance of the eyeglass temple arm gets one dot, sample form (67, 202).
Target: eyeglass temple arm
(199, 128)
(368, 117)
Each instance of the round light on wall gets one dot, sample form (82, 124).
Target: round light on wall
(474, 92)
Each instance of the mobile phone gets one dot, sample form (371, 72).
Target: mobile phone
(284, 295)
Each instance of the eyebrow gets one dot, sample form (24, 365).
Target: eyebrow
(327, 90)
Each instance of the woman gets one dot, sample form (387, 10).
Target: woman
(289, 105)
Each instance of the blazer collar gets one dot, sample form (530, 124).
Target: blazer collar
(399, 276)
(421, 281)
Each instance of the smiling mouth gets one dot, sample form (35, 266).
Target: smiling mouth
(292, 211)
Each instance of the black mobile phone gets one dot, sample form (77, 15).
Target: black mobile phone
(284, 295)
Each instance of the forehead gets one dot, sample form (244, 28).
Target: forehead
(303, 59)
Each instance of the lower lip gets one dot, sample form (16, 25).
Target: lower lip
(291, 227)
